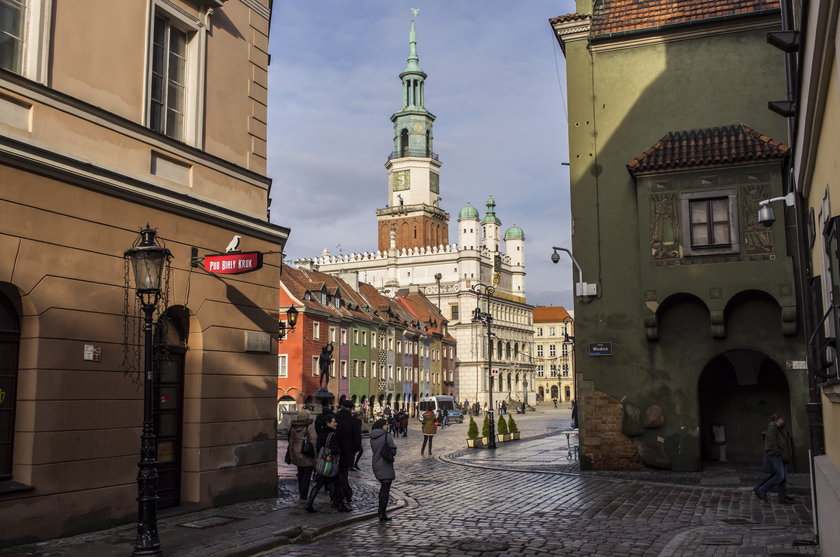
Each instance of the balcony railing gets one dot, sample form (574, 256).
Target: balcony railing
(413, 153)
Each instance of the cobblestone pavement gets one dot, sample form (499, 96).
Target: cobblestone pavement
(529, 499)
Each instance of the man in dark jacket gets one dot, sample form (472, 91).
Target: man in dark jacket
(322, 418)
(778, 451)
(349, 434)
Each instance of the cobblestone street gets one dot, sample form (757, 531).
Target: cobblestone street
(528, 498)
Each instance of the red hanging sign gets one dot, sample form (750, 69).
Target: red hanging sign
(233, 263)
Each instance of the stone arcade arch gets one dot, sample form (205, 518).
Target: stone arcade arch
(737, 391)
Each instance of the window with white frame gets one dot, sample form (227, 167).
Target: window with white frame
(553, 370)
(399, 373)
(539, 331)
(565, 370)
(373, 369)
(710, 222)
(540, 371)
(316, 330)
(344, 368)
(343, 336)
(399, 347)
(356, 337)
(332, 334)
(24, 37)
(373, 336)
(282, 360)
(355, 368)
(565, 348)
(552, 350)
(364, 338)
(363, 364)
(390, 372)
(315, 369)
(552, 331)
(539, 350)
(332, 368)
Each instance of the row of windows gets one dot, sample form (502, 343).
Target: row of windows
(552, 331)
(360, 337)
(360, 367)
(564, 370)
(552, 350)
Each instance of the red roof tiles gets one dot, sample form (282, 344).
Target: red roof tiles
(550, 314)
(612, 16)
(711, 146)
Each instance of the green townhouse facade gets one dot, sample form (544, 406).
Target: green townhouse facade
(687, 330)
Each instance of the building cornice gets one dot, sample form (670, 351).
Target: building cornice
(84, 174)
(31, 91)
(679, 32)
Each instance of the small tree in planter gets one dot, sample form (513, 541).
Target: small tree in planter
(472, 434)
(502, 429)
(513, 428)
(485, 430)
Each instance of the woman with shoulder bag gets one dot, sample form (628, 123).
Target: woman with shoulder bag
(328, 442)
(302, 442)
(383, 449)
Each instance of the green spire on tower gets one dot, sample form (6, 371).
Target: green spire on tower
(412, 76)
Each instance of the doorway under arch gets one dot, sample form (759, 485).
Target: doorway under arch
(738, 391)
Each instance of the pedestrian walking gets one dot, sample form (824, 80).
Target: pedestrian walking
(303, 428)
(404, 424)
(349, 437)
(327, 438)
(554, 400)
(504, 407)
(777, 452)
(321, 419)
(445, 417)
(361, 446)
(383, 449)
(574, 414)
(429, 430)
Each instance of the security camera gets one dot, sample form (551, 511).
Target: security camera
(766, 216)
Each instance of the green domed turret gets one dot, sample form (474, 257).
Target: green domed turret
(514, 233)
(491, 217)
(468, 212)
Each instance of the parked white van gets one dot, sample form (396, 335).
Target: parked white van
(441, 402)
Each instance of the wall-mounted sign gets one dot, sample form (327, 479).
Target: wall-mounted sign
(257, 341)
(796, 364)
(233, 263)
(494, 371)
(92, 353)
(600, 349)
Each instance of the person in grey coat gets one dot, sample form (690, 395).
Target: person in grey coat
(383, 450)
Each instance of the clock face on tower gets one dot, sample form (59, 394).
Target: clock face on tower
(434, 182)
(402, 180)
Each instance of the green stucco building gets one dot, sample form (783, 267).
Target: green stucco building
(692, 338)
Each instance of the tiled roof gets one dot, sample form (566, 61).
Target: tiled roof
(550, 314)
(568, 17)
(611, 16)
(711, 146)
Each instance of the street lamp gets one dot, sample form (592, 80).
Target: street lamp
(571, 339)
(487, 318)
(291, 319)
(148, 259)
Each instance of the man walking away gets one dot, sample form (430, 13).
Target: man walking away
(349, 437)
(778, 452)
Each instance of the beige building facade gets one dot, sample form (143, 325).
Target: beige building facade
(554, 355)
(114, 115)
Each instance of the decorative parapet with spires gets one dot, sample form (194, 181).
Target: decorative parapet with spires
(327, 259)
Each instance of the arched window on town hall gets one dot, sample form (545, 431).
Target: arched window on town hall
(9, 346)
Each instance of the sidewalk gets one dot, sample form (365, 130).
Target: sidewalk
(235, 530)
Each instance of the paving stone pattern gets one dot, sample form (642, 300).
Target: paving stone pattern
(529, 499)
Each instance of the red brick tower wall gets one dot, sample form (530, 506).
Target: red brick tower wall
(413, 232)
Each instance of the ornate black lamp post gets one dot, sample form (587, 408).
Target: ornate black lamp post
(148, 259)
(291, 319)
(487, 318)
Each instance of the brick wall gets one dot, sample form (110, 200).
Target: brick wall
(430, 232)
(603, 446)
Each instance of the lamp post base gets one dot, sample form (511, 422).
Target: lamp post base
(492, 444)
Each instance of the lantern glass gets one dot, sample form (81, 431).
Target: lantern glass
(148, 268)
(292, 316)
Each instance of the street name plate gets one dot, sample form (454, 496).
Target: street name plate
(600, 349)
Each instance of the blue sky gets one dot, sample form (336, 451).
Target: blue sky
(496, 82)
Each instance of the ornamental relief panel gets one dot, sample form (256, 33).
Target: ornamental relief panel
(665, 239)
